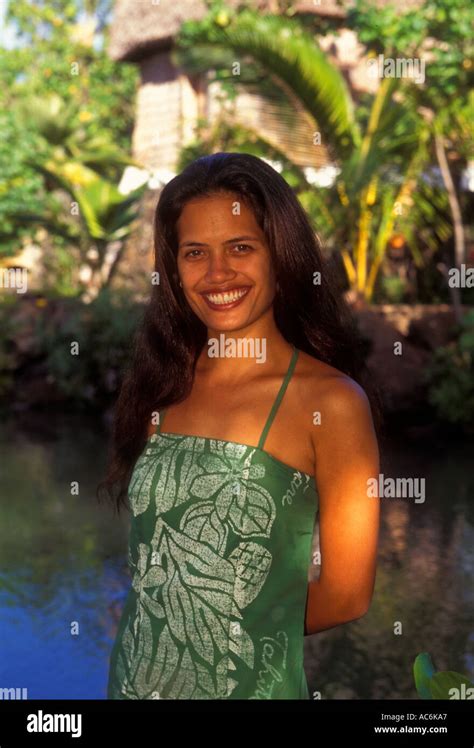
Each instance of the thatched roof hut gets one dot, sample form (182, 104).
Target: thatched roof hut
(169, 101)
(142, 27)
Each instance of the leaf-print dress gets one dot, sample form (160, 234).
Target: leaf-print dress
(219, 549)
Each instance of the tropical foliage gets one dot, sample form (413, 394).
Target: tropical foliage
(67, 134)
(431, 684)
(451, 377)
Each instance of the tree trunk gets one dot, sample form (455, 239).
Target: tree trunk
(459, 243)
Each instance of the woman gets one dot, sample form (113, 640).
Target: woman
(241, 417)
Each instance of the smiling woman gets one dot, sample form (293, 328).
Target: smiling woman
(224, 499)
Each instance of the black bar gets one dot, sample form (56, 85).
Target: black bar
(445, 722)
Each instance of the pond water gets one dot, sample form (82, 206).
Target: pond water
(64, 578)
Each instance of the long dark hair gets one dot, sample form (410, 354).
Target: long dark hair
(312, 316)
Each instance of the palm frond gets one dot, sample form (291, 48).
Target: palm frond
(296, 61)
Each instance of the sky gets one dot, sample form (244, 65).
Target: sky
(7, 33)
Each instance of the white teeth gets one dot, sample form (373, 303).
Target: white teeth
(227, 297)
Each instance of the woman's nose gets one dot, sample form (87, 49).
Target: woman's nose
(218, 266)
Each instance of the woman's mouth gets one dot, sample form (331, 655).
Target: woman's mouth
(226, 299)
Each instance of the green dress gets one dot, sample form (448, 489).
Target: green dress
(219, 551)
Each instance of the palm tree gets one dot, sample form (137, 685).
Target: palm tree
(106, 217)
(94, 217)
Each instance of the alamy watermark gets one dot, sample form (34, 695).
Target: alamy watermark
(396, 488)
(16, 278)
(399, 67)
(461, 277)
(223, 347)
(13, 694)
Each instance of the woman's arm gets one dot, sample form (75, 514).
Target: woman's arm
(346, 455)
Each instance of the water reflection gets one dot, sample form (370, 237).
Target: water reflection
(63, 574)
(62, 566)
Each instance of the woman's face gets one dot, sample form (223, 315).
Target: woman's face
(224, 262)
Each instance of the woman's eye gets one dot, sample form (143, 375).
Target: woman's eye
(192, 253)
(247, 246)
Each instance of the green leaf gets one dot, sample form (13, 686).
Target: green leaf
(423, 670)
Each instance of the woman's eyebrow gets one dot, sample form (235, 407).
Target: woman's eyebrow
(227, 241)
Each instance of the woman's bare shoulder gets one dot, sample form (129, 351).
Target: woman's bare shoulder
(333, 390)
(336, 405)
